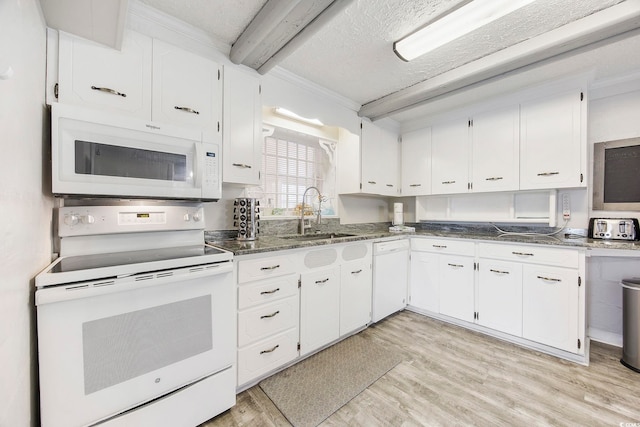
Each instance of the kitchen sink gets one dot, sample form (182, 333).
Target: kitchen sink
(317, 236)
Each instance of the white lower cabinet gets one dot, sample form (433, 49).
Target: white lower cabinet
(500, 296)
(550, 306)
(319, 309)
(456, 287)
(424, 281)
(355, 295)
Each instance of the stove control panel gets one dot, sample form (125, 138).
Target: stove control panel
(94, 220)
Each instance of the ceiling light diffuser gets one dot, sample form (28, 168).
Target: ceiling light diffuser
(461, 21)
(290, 114)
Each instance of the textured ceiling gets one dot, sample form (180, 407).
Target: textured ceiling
(352, 55)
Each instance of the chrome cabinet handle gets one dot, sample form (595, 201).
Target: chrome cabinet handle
(522, 253)
(455, 265)
(389, 185)
(498, 271)
(371, 182)
(548, 173)
(415, 185)
(270, 292)
(270, 350)
(549, 279)
(448, 182)
(357, 271)
(439, 246)
(273, 267)
(242, 165)
(494, 178)
(187, 110)
(266, 316)
(108, 90)
(322, 281)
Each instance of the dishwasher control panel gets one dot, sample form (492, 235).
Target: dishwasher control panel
(613, 228)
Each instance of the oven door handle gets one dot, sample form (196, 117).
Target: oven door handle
(92, 288)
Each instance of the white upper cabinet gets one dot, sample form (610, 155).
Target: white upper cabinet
(187, 88)
(416, 163)
(380, 155)
(101, 77)
(552, 150)
(495, 150)
(450, 157)
(242, 128)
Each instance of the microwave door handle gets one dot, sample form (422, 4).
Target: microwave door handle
(198, 166)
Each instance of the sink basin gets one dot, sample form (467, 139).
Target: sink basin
(318, 236)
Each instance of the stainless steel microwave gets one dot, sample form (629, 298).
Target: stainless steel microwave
(616, 175)
(96, 154)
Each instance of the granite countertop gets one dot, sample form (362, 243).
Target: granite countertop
(271, 243)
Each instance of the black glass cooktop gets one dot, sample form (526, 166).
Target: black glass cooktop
(87, 262)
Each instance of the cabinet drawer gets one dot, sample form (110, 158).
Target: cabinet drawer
(262, 268)
(531, 254)
(260, 322)
(267, 355)
(266, 291)
(460, 247)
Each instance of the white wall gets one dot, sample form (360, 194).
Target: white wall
(614, 113)
(25, 213)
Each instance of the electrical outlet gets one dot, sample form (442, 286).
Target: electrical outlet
(566, 207)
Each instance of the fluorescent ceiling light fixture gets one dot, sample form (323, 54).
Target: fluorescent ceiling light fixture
(291, 115)
(461, 21)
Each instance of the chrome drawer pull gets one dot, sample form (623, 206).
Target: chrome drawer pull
(273, 267)
(389, 185)
(266, 316)
(322, 281)
(455, 265)
(439, 246)
(522, 253)
(108, 90)
(494, 178)
(270, 292)
(415, 185)
(498, 271)
(242, 165)
(357, 271)
(548, 173)
(187, 110)
(271, 350)
(448, 182)
(549, 279)
(371, 182)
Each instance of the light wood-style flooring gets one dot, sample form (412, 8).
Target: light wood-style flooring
(452, 376)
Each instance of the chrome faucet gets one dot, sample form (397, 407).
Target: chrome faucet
(301, 225)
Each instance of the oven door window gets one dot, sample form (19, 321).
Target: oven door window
(92, 158)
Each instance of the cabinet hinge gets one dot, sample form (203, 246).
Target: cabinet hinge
(299, 283)
(477, 315)
(218, 74)
(55, 90)
(360, 125)
(298, 346)
(579, 344)
(259, 175)
(259, 89)
(581, 96)
(581, 177)
(579, 281)
(361, 186)
(218, 126)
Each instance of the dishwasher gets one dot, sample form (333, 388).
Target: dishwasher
(390, 272)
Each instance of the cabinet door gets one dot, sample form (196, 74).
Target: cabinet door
(112, 80)
(424, 281)
(390, 281)
(242, 128)
(416, 163)
(495, 137)
(550, 306)
(319, 309)
(379, 160)
(551, 148)
(456, 287)
(187, 88)
(500, 296)
(450, 157)
(355, 295)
